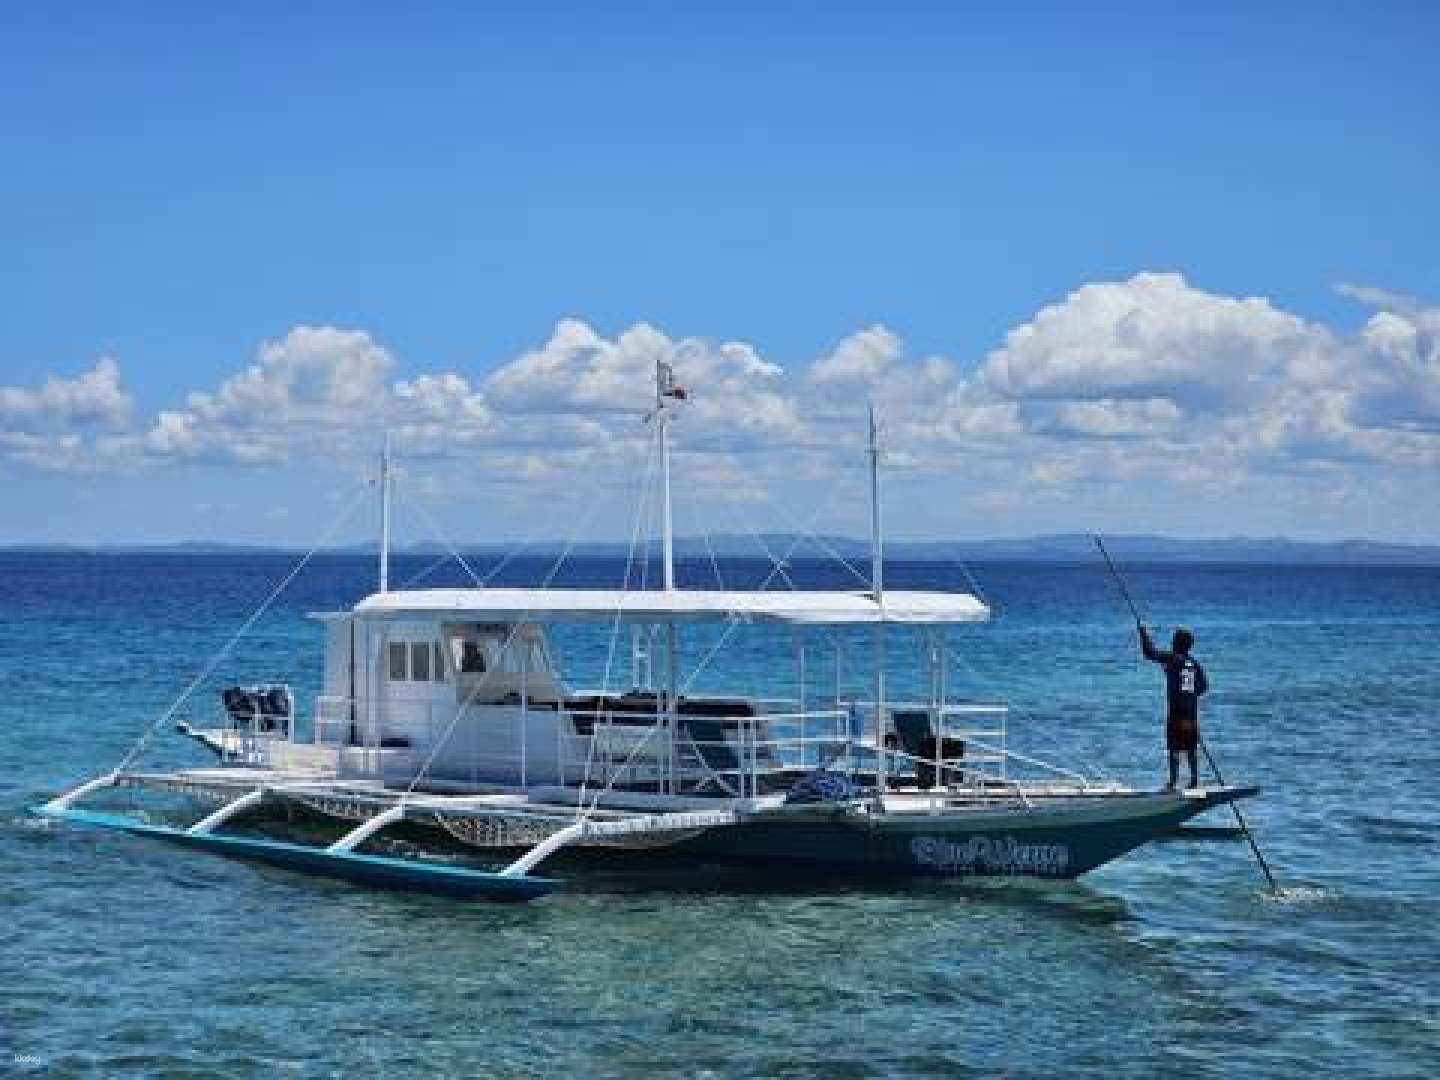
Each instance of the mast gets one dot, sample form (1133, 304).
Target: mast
(877, 585)
(385, 516)
(877, 539)
(665, 390)
(664, 385)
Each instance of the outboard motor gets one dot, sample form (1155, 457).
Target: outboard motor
(279, 704)
(239, 707)
(259, 708)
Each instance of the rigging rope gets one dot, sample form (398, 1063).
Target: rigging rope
(970, 579)
(693, 511)
(809, 533)
(520, 546)
(776, 569)
(224, 651)
(524, 619)
(1025, 714)
(640, 506)
(454, 551)
(775, 564)
(413, 578)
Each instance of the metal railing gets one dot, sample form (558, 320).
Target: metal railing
(614, 748)
(756, 754)
(245, 738)
(734, 755)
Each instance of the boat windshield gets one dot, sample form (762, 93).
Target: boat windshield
(491, 659)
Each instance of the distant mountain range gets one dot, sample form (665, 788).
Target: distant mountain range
(1063, 547)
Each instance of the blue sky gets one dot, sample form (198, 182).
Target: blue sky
(443, 187)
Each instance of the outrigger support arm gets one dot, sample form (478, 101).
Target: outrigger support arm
(543, 850)
(357, 836)
(62, 803)
(226, 812)
(648, 824)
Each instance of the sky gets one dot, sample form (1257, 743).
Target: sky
(1118, 267)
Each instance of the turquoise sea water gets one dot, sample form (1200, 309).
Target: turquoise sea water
(122, 956)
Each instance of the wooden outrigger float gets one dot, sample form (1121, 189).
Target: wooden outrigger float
(444, 715)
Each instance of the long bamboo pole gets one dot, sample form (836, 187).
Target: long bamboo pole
(1239, 817)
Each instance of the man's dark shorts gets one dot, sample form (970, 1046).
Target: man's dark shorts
(1182, 736)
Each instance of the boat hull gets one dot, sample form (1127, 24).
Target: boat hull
(1056, 842)
(1055, 838)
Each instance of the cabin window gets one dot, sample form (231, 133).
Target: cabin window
(399, 650)
(437, 662)
(472, 657)
(420, 661)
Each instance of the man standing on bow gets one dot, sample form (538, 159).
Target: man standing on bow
(1185, 684)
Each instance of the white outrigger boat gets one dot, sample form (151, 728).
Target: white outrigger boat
(443, 718)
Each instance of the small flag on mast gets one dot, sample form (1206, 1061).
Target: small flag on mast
(668, 386)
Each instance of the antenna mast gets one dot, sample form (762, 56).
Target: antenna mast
(385, 516)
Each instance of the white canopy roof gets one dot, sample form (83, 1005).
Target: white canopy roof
(678, 605)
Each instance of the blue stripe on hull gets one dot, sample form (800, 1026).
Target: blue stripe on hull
(371, 870)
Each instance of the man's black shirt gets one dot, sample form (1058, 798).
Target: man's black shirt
(1185, 680)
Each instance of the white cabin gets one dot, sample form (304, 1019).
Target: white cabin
(458, 688)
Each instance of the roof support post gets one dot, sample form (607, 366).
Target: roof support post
(882, 718)
(799, 636)
(635, 648)
(672, 694)
(524, 644)
(851, 710)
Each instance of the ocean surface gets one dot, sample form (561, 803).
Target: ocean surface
(123, 956)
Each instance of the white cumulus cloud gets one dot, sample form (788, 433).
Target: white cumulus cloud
(62, 424)
(1109, 418)
(862, 359)
(304, 389)
(1153, 336)
(734, 394)
(93, 398)
(1118, 389)
(1398, 365)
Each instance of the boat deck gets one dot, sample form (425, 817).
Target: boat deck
(361, 797)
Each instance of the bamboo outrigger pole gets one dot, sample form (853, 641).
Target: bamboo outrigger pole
(1239, 817)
